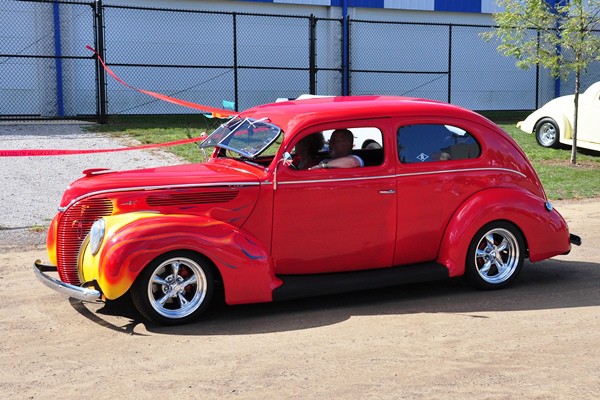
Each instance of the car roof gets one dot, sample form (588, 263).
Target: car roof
(296, 114)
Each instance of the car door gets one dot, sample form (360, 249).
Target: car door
(437, 171)
(589, 116)
(333, 220)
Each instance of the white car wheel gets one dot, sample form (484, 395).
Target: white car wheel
(547, 133)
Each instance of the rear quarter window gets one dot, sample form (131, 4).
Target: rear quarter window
(434, 143)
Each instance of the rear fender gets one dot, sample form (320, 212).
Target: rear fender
(545, 231)
(133, 240)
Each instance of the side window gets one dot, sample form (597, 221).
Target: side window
(431, 143)
(367, 144)
(339, 148)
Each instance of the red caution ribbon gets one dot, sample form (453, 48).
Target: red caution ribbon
(45, 152)
(215, 111)
(218, 111)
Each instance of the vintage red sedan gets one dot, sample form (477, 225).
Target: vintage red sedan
(425, 190)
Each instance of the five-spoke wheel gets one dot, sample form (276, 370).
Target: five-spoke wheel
(174, 289)
(495, 256)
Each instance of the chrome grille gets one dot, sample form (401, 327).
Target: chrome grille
(73, 227)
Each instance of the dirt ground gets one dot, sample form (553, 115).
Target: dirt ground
(538, 339)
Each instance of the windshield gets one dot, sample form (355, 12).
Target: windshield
(248, 137)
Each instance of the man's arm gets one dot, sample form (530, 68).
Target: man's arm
(351, 161)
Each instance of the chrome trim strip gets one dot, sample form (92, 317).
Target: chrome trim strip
(401, 175)
(362, 178)
(131, 189)
(67, 289)
(463, 170)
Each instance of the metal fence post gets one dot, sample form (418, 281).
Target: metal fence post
(450, 63)
(58, 60)
(537, 77)
(312, 56)
(100, 73)
(235, 63)
(346, 56)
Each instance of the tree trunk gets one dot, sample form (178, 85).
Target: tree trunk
(574, 148)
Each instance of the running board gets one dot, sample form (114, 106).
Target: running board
(300, 286)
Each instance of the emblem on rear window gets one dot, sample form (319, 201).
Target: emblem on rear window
(422, 157)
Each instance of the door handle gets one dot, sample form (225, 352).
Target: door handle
(389, 191)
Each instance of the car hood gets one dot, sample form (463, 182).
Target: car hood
(187, 175)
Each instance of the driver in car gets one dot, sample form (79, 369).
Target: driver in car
(307, 151)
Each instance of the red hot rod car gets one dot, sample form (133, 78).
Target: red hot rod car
(439, 192)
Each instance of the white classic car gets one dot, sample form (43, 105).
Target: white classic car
(553, 123)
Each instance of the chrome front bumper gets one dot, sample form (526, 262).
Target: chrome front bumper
(67, 289)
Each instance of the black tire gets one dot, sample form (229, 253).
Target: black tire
(495, 256)
(175, 288)
(547, 133)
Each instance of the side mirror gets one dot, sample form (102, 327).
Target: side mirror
(288, 160)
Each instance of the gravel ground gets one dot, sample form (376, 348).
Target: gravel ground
(32, 186)
(536, 340)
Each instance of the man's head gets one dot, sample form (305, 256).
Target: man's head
(341, 143)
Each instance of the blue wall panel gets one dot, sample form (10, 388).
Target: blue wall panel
(458, 5)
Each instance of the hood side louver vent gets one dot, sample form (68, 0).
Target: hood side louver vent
(190, 198)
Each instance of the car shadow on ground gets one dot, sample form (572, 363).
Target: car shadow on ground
(550, 284)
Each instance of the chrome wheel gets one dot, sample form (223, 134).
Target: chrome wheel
(495, 256)
(547, 133)
(174, 289)
(177, 288)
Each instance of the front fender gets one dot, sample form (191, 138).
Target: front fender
(133, 240)
(556, 112)
(545, 231)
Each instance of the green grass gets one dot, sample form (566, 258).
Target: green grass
(37, 228)
(561, 179)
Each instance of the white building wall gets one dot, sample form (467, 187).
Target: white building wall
(385, 47)
(20, 79)
(481, 78)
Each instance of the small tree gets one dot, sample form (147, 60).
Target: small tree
(555, 34)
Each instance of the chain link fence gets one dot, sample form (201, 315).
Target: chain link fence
(39, 78)
(226, 60)
(238, 60)
(401, 59)
(179, 53)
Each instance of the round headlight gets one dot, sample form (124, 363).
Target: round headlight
(97, 235)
